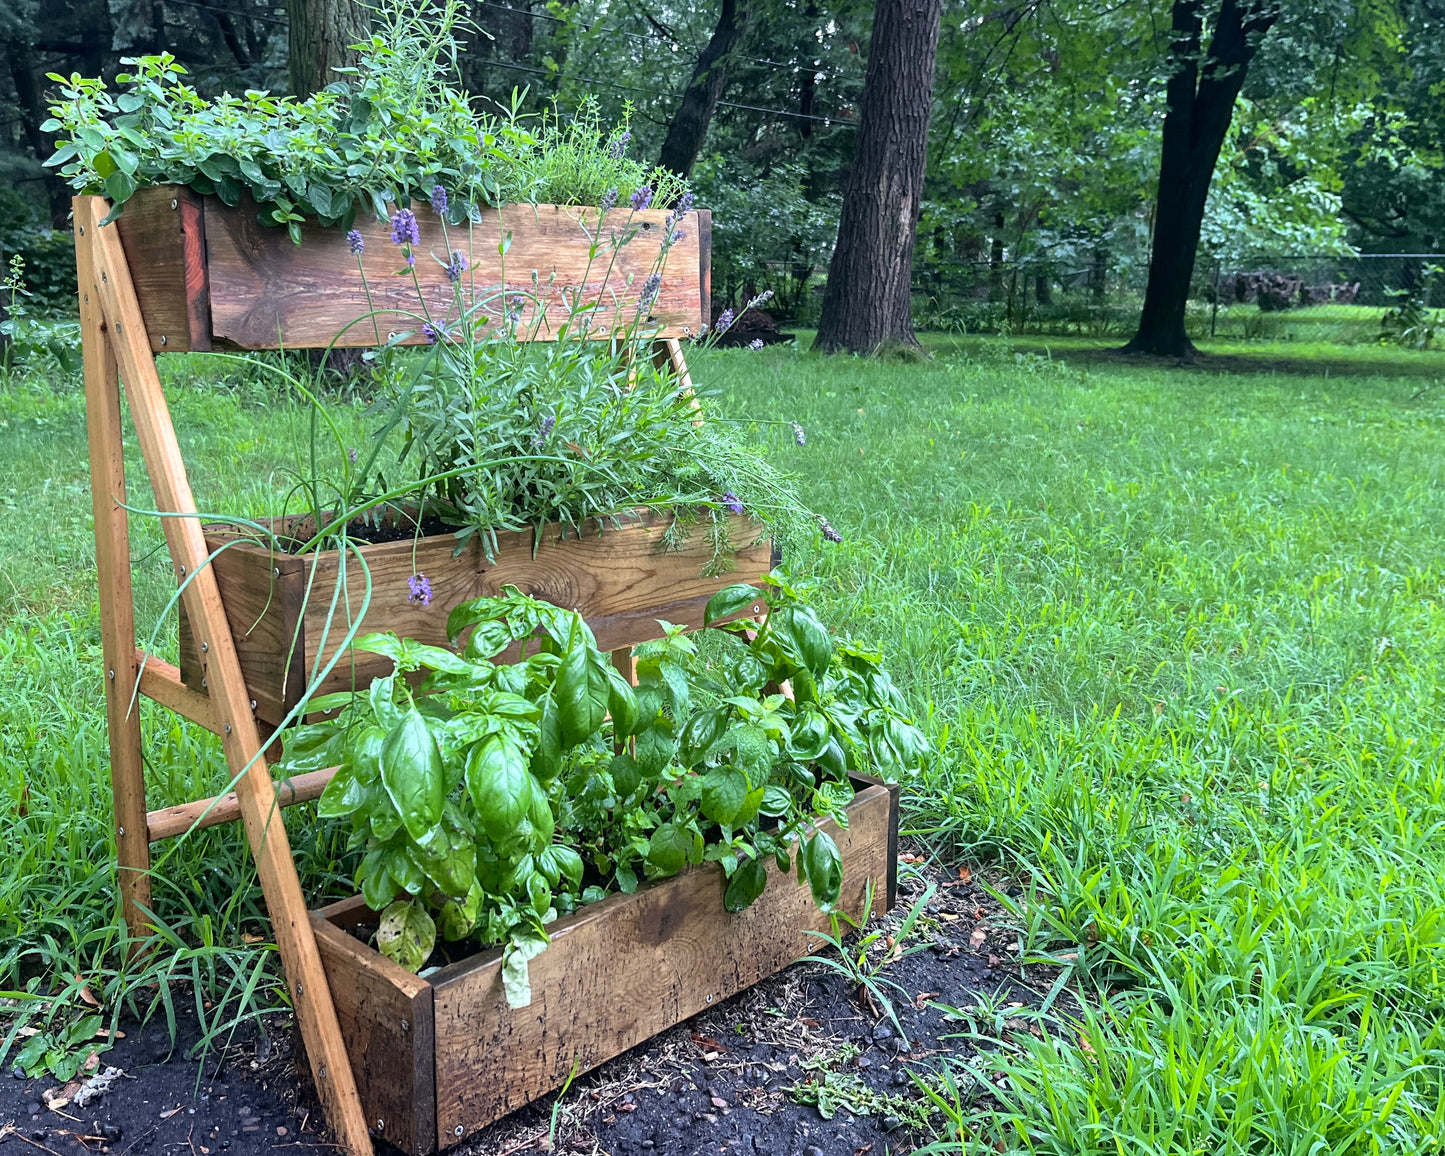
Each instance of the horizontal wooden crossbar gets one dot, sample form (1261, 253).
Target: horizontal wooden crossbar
(169, 822)
(160, 680)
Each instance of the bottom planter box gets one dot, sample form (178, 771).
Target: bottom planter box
(438, 1058)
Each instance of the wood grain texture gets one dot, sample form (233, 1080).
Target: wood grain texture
(620, 580)
(704, 247)
(117, 606)
(168, 822)
(386, 1017)
(153, 228)
(111, 283)
(197, 272)
(621, 970)
(161, 681)
(267, 292)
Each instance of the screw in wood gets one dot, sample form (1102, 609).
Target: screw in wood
(253, 704)
(276, 571)
(82, 230)
(228, 731)
(299, 989)
(205, 646)
(322, 1072)
(458, 1130)
(203, 684)
(381, 1125)
(174, 204)
(120, 831)
(406, 1025)
(102, 275)
(110, 674)
(163, 338)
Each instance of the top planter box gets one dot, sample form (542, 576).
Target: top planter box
(211, 276)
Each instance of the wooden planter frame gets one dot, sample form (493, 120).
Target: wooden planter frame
(178, 272)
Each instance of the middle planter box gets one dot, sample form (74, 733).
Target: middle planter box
(288, 619)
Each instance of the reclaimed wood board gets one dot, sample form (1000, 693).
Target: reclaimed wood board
(162, 230)
(621, 579)
(616, 973)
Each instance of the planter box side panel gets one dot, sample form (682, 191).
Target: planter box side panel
(386, 1020)
(267, 292)
(162, 230)
(622, 970)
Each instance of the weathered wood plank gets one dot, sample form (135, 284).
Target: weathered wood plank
(241, 739)
(168, 822)
(268, 292)
(117, 606)
(161, 681)
(154, 227)
(621, 970)
(386, 1017)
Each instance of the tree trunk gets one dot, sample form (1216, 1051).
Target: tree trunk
(699, 99)
(868, 298)
(1200, 101)
(21, 57)
(321, 35)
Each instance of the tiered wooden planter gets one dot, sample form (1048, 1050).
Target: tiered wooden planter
(416, 1062)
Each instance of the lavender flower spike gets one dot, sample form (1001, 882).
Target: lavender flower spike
(456, 265)
(609, 199)
(404, 229)
(430, 332)
(438, 200)
(618, 145)
(829, 534)
(642, 198)
(730, 500)
(755, 344)
(684, 205)
(355, 242)
(420, 589)
(799, 435)
(650, 288)
(724, 321)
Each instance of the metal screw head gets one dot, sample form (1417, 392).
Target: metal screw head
(253, 704)
(228, 731)
(110, 674)
(322, 1072)
(205, 646)
(174, 203)
(102, 275)
(82, 230)
(276, 571)
(709, 999)
(163, 339)
(300, 989)
(118, 327)
(120, 831)
(381, 1125)
(406, 1025)
(203, 684)
(458, 1130)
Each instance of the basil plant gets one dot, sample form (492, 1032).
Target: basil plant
(490, 796)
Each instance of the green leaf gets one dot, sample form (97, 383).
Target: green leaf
(746, 885)
(547, 758)
(626, 774)
(406, 934)
(724, 791)
(824, 866)
(621, 704)
(569, 861)
(655, 748)
(702, 730)
(583, 687)
(342, 796)
(500, 785)
(803, 637)
(731, 600)
(776, 801)
(810, 735)
(669, 848)
(412, 772)
(458, 919)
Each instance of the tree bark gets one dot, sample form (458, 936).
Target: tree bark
(21, 57)
(705, 87)
(320, 39)
(1200, 97)
(868, 298)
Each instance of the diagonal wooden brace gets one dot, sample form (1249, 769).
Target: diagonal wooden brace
(124, 329)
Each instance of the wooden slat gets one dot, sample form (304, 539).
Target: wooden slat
(386, 1017)
(117, 607)
(197, 273)
(704, 247)
(621, 970)
(267, 292)
(161, 681)
(169, 822)
(154, 223)
(111, 283)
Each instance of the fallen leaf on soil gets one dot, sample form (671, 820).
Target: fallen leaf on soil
(909, 857)
(810, 1021)
(28, 1031)
(978, 936)
(948, 917)
(994, 961)
(868, 1147)
(169, 1112)
(247, 937)
(57, 1098)
(1084, 1043)
(280, 1131)
(965, 875)
(84, 993)
(922, 999)
(708, 1044)
(107, 1034)
(627, 1107)
(92, 1062)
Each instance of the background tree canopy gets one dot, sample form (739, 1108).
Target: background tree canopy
(1044, 149)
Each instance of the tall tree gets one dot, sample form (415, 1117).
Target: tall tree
(321, 35)
(1200, 96)
(868, 299)
(688, 128)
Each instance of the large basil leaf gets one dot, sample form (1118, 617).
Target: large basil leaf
(731, 600)
(412, 772)
(547, 758)
(724, 791)
(746, 885)
(342, 796)
(406, 934)
(527, 943)
(655, 748)
(810, 735)
(583, 686)
(458, 918)
(702, 730)
(621, 704)
(803, 637)
(626, 774)
(500, 785)
(824, 866)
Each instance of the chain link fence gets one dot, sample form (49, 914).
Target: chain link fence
(1397, 298)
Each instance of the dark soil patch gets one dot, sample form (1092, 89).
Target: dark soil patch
(742, 1078)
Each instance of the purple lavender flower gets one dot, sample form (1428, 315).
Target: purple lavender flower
(430, 332)
(544, 431)
(684, 205)
(829, 534)
(438, 200)
(799, 435)
(730, 500)
(755, 344)
(618, 145)
(420, 589)
(762, 297)
(456, 265)
(609, 199)
(352, 453)
(642, 198)
(404, 229)
(355, 242)
(724, 321)
(650, 289)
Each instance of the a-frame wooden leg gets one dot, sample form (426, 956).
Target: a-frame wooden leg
(668, 353)
(117, 607)
(111, 283)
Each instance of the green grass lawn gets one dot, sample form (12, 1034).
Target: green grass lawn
(1178, 634)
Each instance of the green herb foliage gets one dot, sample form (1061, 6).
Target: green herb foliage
(382, 137)
(492, 797)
